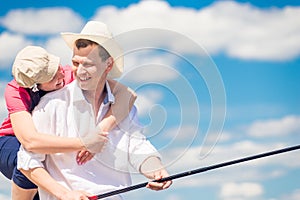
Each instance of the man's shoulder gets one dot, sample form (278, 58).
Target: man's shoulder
(131, 121)
(63, 94)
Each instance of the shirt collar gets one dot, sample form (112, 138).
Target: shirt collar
(78, 95)
(110, 98)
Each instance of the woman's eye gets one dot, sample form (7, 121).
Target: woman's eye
(75, 63)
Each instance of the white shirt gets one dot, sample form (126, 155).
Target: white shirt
(66, 113)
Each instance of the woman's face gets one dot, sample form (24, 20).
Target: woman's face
(56, 83)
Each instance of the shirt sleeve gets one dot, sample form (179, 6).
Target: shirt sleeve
(139, 147)
(28, 160)
(17, 98)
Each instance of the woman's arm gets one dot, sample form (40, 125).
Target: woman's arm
(124, 100)
(36, 142)
(43, 180)
(17, 102)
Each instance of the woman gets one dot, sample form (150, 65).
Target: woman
(37, 72)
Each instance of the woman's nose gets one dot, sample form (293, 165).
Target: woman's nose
(61, 76)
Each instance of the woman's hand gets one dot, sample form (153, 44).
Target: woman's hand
(95, 142)
(84, 156)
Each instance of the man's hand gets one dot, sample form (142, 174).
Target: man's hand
(75, 195)
(157, 176)
(153, 169)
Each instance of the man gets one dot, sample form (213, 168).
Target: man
(75, 111)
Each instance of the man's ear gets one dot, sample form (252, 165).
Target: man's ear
(109, 63)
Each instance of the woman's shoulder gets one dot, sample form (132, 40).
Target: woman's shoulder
(12, 88)
(12, 84)
(17, 98)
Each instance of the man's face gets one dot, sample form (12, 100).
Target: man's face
(89, 67)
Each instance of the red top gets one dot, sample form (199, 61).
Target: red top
(22, 99)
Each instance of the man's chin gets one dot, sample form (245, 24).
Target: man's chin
(83, 86)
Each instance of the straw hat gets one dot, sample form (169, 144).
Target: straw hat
(98, 32)
(34, 65)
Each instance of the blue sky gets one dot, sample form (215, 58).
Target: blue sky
(217, 80)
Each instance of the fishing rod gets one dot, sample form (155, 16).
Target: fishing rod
(196, 171)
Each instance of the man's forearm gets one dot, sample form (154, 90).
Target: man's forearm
(152, 168)
(150, 165)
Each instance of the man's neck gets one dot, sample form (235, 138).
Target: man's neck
(96, 97)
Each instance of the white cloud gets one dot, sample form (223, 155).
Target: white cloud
(218, 137)
(146, 100)
(3, 110)
(10, 45)
(5, 187)
(57, 46)
(147, 66)
(241, 190)
(3, 196)
(240, 30)
(39, 22)
(183, 132)
(268, 168)
(295, 195)
(42, 21)
(220, 153)
(275, 127)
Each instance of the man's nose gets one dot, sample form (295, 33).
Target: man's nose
(80, 69)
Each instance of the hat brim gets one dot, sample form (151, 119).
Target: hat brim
(109, 44)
